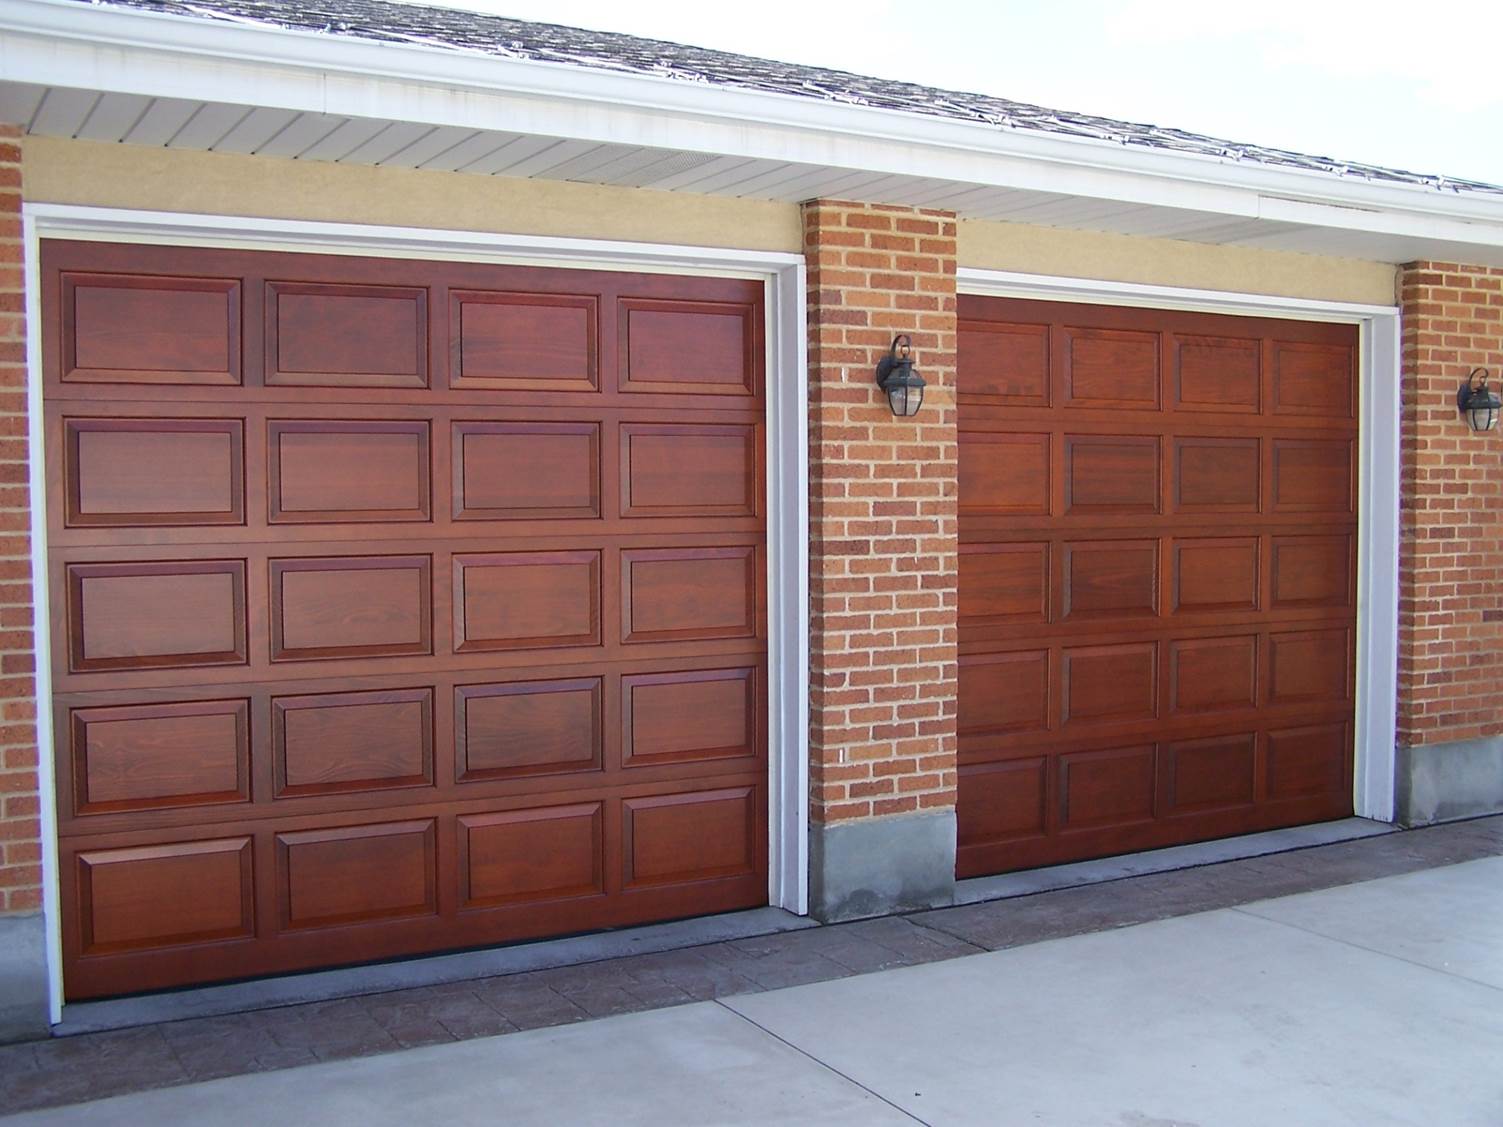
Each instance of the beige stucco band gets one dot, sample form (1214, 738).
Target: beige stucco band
(1171, 262)
(157, 179)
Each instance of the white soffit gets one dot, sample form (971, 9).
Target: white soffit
(121, 75)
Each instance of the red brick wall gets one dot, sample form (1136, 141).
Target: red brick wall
(1451, 551)
(20, 804)
(882, 496)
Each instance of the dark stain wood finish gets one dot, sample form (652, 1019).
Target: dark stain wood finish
(401, 606)
(1157, 578)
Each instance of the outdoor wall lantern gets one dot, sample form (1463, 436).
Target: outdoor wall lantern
(1476, 402)
(895, 376)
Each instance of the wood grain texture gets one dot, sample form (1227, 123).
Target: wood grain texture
(1157, 568)
(428, 612)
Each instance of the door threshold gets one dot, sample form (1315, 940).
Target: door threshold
(1004, 886)
(430, 970)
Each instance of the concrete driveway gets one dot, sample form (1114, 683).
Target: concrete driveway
(1372, 1003)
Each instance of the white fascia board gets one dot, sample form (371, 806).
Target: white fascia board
(65, 43)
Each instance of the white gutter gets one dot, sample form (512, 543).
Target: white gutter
(69, 44)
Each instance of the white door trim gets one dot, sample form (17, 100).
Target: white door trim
(787, 447)
(1378, 481)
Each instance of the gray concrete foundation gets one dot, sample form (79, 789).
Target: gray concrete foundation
(881, 865)
(23, 979)
(1444, 782)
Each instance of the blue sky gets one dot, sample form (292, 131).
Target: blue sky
(1366, 81)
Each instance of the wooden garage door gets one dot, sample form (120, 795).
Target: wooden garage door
(1157, 578)
(398, 606)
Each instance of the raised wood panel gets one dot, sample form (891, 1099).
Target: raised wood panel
(1111, 368)
(1212, 773)
(1005, 692)
(1004, 364)
(356, 874)
(1110, 474)
(336, 335)
(526, 470)
(1213, 574)
(1216, 475)
(1213, 674)
(1116, 682)
(144, 329)
(1111, 578)
(1001, 801)
(1004, 474)
(526, 600)
(1311, 476)
(687, 716)
(686, 593)
(351, 606)
(1311, 760)
(687, 347)
(164, 895)
(527, 728)
(686, 837)
(1217, 374)
(1106, 788)
(654, 482)
(324, 471)
(129, 472)
(1004, 582)
(156, 615)
(331, 743)
(523, 341)
(1314, 379)
(147, 756)
(528, 855)
(1309, 665)
(1312, 571)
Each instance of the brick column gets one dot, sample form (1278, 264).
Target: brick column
(1450, 722)
(23, 968)
(882, 561)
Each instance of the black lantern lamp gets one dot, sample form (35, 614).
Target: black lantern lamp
(1477, 403)
(895, 376)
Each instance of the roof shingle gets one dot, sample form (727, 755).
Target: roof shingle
(458, 30)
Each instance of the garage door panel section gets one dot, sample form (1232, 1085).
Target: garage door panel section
(148, 329)
(135, 472)
(326, 471)
(335, 742)
(131, 616)
(526, 600)
(688, 347)
(528, 728)
(519, 470)
(530, 855)
(506, 341)
(165, 895)
(1005, 363)
(150, 756)
(693, 836)
(1111, 368)
(1157, 577)
(400, 606)
(691, 715)
(351, 606)
(354, 874)
(683, 594)
(322, 335)
(1222, 374)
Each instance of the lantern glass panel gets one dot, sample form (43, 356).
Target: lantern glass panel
(904, 399)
